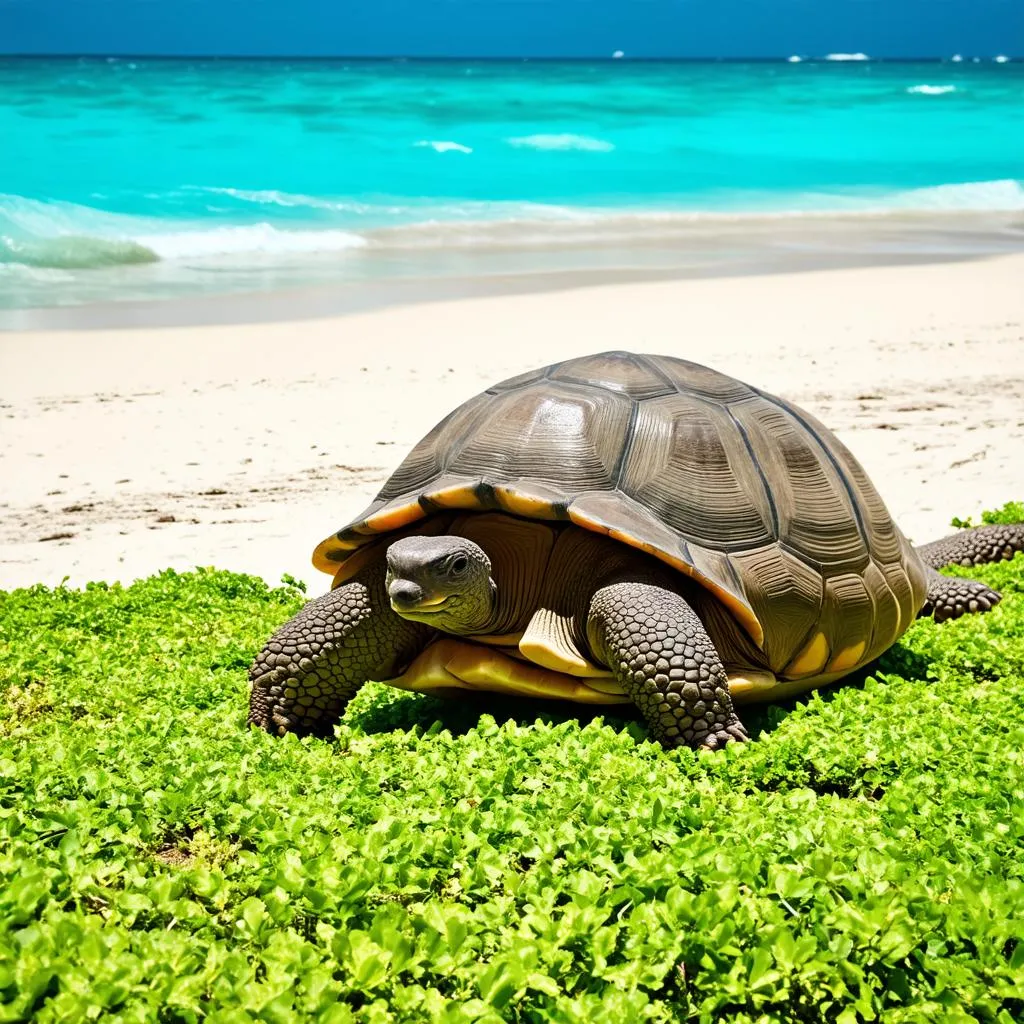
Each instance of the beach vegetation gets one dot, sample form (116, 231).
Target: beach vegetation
(495, 860)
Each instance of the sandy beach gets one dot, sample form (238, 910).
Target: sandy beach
(124, 452)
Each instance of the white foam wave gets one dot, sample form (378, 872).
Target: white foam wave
(273, 197)
(847, 56)
(795, 59)
(979, 196)
(263, 239)
(404, 208)
(556, 226)
(1001, 59)
(566, 141)
(932, 90)
(60, 234)
(443, 146)
(1004, 196)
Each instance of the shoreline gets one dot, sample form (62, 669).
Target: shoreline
(358, 281)
(133, 450)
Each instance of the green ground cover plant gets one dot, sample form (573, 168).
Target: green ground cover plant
(500, 861)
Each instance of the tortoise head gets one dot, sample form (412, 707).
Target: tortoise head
(443, 582)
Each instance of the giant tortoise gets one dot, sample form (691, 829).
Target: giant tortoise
(612, 529)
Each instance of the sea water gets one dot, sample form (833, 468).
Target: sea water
(140, 179)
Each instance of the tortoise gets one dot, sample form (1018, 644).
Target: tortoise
(616, 528)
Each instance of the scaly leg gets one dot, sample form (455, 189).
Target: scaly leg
(949, 597)
(975, 546)
(660, 653)
(314, 664)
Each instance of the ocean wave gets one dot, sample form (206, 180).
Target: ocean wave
(245, 239)
(61, 235)
(566, 141)
(74, 252)
(846, 56)
(392, 208)
(443, 146)
(1001, 196)
(973, 196)
(932, 90)
(560, 226)
(274, 197)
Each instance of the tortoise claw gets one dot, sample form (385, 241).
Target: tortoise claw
(724, 735)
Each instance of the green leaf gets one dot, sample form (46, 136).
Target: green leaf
(497, 984)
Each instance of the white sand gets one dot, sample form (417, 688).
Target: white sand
(260, 440)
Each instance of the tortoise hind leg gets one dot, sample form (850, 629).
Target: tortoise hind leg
(660, 653)
(976, 546)
(948, 597)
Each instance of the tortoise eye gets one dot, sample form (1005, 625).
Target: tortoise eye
(459, 564)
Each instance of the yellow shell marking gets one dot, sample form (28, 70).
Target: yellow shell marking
(811, 659)
(338, 558)
(353, 564)
(330, 553)
(587, 523)
(548, 642)
(450, 665)
(395, 518)
(459, 496)
(848, 658)
(749, 685)
(522, 504)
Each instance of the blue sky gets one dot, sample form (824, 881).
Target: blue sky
(511, 28)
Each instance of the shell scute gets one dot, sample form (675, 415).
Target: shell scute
(785, 594)
(848, 609)
(816, 516)
(686, 462)
(567, 437)
(636, 377)
(701, 381)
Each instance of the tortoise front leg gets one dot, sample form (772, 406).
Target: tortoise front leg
(314, 664)
(660, 653)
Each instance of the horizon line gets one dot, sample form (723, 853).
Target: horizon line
(428, 59)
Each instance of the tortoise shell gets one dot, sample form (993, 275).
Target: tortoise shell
(738, 489)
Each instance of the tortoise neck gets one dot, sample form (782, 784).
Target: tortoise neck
(519, 550)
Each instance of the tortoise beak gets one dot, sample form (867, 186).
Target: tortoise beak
(406, 596)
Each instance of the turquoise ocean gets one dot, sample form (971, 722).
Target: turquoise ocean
(128, 179)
